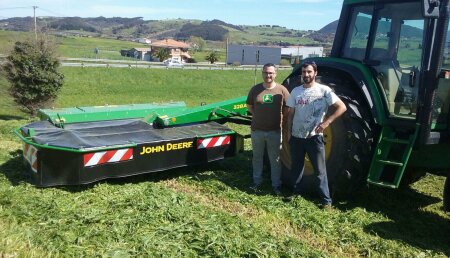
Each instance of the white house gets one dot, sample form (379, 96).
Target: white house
(144, 40)
(253, 55)
(302, 52)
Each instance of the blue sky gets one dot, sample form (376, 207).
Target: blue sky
(292, 14)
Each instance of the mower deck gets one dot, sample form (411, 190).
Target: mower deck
(86, 152)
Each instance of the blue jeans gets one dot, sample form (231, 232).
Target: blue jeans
(271, 140)
(315, 149)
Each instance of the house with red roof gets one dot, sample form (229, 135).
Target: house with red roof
(178, 50)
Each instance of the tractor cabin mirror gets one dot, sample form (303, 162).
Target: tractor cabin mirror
(430, 8)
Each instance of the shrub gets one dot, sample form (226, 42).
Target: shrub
(212, 57)
(285, 62)
(31, 69)
(191, 60)
(161, 54)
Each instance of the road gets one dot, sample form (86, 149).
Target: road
(80, 62)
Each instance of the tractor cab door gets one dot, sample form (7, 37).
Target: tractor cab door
(399, 52)
(389, 38)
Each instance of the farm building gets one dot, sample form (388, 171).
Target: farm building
(300, 52)
(138, 53)
(253, 55)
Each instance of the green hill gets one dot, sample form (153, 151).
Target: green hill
(181, 29)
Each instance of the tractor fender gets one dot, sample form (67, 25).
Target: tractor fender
(362, 78)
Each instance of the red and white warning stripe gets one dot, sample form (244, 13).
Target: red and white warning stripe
(213, 142)
(97, 158)
(30, 154)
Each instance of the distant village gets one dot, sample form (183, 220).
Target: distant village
(235, 54)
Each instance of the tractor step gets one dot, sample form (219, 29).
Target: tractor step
(382, 184)
(399, 141)
(385, 170)
(389, 162)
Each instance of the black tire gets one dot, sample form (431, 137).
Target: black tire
(352, 145)
(447, 194)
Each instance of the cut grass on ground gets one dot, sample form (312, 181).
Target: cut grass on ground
(204, 210)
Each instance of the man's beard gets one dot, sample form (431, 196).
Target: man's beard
(307, 79)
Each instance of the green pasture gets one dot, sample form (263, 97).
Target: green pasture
(8, 38)
(75, 47)
(254, 34)
(200, 56)
(203, 210)
(83, 47)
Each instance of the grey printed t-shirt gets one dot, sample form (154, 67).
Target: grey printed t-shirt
(310, 105)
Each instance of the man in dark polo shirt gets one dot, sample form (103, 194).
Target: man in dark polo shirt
(266, 102)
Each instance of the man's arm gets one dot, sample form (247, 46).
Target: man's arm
(290, 116)
(250, 108)
(340, 108)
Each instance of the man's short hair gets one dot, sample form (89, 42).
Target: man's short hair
(269, 65)
(310, 63)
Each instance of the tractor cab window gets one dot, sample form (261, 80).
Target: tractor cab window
(398, 52)
(356, 41)
(389, 38)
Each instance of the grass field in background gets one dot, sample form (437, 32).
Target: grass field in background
(202, 210)
(125, 86)
(8, 38)
(261, 34)
(83, 47)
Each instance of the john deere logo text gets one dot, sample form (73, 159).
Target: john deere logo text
(268, 98)
(166, 147)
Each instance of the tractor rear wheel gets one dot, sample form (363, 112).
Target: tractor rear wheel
(348, 140)
(447, 194)
(351, 148)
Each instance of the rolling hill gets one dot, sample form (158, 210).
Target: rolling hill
(181, 29)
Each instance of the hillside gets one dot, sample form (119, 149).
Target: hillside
(180, 29)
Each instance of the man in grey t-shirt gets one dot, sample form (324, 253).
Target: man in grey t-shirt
(308, 104)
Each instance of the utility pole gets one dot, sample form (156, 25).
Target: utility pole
(256, 66)
(226, 53)
(35, 25)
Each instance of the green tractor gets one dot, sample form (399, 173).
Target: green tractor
(390, 64)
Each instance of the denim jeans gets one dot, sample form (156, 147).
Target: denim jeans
(271, 140)
(315, 149)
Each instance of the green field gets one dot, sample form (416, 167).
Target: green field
(204, 210)
(74, 47)
(254, 34)
(84, 47)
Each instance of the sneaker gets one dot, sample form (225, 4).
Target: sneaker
(290, 197)
(254, 188)
(326, 206)
(276, 191)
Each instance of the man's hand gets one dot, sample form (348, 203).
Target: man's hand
(340, 109)
(321, 127)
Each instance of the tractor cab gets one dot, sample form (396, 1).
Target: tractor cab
(406, 46)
